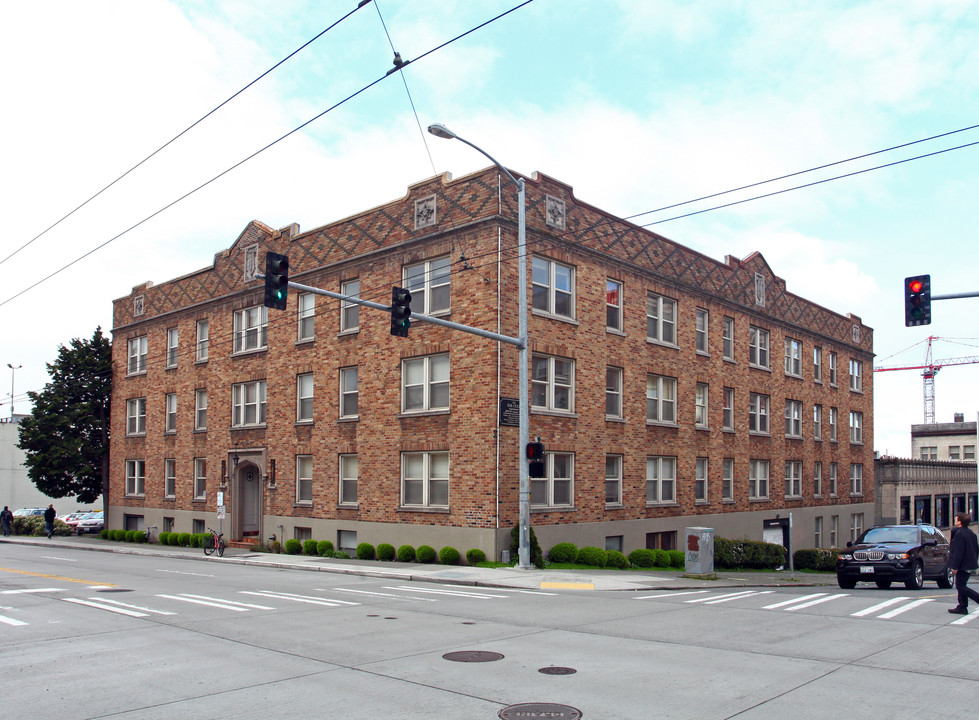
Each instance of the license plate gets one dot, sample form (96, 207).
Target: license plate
(866, 569)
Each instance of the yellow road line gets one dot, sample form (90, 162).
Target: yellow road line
(568, 585)
(56, 577)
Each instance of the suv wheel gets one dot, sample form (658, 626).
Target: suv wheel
(917, 577)
(946, 580)
(883, 584)
(846, 583)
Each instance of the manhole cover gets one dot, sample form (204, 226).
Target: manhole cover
(540, 710)
(557, 670)
(473, 656)
(113, 590)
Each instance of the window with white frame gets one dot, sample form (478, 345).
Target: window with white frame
(425, 383)
(758, 413)
(928, 452)
(793, 357)
(135, 477)
(793, 478)
(172, 347)
(613, 305)
(954, 452)
(251, 329)
(818, 531)
(856, 375)
(200, 409)
(856, 427)
(834, 487)
(817, 478)
(350, 311)
(137, 356)
(429, 283)
(553, 287)
(660, 399)
(552, 383)
(833, 413)
(136, 416)
(856, 526)
(727, 418)
(349, 474)
(304, 398)
(556, 489)
(169, 477)
(203, 341)
(306, 317)
(728, 338)
(701, 405)
(613, 392)
(660, 319)
(968, 452)
(701, 330)
(817, 422)
(349, 392)
(834, 530)
(700, 481)
(248, 404)
(758, 347)
(425, 479)
(832, 369)
(304, 479)
(613, 479)
(758, 474)
(817, 364)
(793, 418)
(660, 480)
(727, 480)
(200, 478)
(856, 479)
(171, 419)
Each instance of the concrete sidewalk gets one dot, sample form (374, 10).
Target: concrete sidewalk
(505, 577)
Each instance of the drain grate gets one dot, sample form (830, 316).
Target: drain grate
(473, 656)
(540, 710)
(557, 670)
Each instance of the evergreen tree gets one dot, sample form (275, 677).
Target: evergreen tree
(66, 436)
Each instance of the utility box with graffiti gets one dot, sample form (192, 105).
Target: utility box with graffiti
(699, 549)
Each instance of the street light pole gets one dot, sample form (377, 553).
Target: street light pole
(523, 552)
(13, 370)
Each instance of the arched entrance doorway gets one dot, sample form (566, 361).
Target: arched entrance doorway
(247, 501)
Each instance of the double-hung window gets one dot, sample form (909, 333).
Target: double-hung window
(425, 479)
(832, 369)
(136, 416)
(425, 383)
(613, 479)
(135, 477)
(137, 356)
(660, 480)
(203, 341)
(349, 393)
(660, 319)
(552, 383)
(793, 478)
(727, 480)
(200, 409)
(833, 479)
(556, 489)
(172, 347)
(758, 407)
(613, 305)
(171, 419)
(793, 418)
(349, 473)
(660, 399)
(758, 474)
(817, 478)
(304, 479)
(701, 330)
(817, 364)
(169, 477)
(701, 406)
(856, 375)
(613, 392)
(200, 478)
(856, 427)
(728, 338)
(832, 424)
(553, 287)
(248, 404)
(306, 317)
(793, 357)
(349, 311)
(429, 285)
(856, 479)
(758, 347)
(700, 481)
(304, 398)
(251, 328)
(727, 421)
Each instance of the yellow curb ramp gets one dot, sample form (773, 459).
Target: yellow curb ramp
(567, 585)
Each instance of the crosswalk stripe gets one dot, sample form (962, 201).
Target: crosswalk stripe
(99, 606)
(228, 602)
(218, 604)
(387, 595)
(300, 598)
(433, 591)
(905, 608)
(672, 594)
(10, 621)
(133, 607)
(718, 598)
(879, 606)
(792, 601)
(817, 601)
(966, 618)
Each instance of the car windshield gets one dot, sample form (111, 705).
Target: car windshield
(903, 535)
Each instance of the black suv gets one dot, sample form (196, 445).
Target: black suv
(909, 553)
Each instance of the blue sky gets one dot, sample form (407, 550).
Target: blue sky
(637, 105)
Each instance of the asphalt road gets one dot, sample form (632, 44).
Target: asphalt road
(99, 635)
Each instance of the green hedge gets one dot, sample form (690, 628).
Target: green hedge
(310, 547)
(426, 554)
(617, 560)
(324, 548)
(293, 546)
(564, 552)
(678, 559)
(366, 551)
(592, 556)
(474, 556)
(406, 553)
(729, 554)
(449, 556)
(821, 559)
(385, 552)
(642, 558)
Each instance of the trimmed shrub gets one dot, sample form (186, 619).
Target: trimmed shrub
(385, 552)
(406, 553)
(642, 558)
(475, 556)
(118, 535)
(130, 534)
(747, 554)
(173, 539)
(661, 558)
(275, 547)
(426, 554)
(592, 556)
(564, 552)
(324, 548)
(821, 559)
(617, 560)
(197, 539)
(366, 551)
(536, 555)
(139, 536)
(163, 538)
(184, 539)
(293, 546)
(310, 547)
(104, 534)
(449, 556)
(678, 559)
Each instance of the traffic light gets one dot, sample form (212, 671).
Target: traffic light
(535, 454)
(276, 280)
(400, 311)
(917, 300)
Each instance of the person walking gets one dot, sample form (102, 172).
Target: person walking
(963, 560)
(6, 517)
(49, 515)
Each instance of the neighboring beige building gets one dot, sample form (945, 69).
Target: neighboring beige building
(928, 491)
(16, 488)
(954, 441)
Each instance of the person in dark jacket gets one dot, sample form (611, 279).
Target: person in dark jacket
(6, 517)
(963, 560)
(49, 515)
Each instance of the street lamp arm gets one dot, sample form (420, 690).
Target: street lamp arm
(439, 130)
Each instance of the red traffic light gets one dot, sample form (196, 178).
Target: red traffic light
(915, 286)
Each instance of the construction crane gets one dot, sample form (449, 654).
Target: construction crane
(928, 372)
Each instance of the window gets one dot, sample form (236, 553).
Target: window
(302, 534)
(817, 534)
(172, 341)
(613, 392)
(613, 479)
(758, 413)
(136, 416)
(856, 427)
(135, 477)
(552, 383)
(700, 481)
(349, 393)
(248, 404)
(171, 422)
(954, 452)
(727, 481)
(660, 399)
(200, 410)
(817, 479)
(429, 285)
(660, 319)
(304, 479)
(793, 478)
(968, 452)
(425, 383)
(203, 340)
(660, 480)
(793, 418)
(834, 530)
(701, 405)
(304, 397)
(200, 478)
(817, 364)
(833, 480)
(137, 356)
(613, 305)
(425, 479)
(703, 323)
(856, 376)
(251, 326)
(832, 369)
(758, 347)
(169, 477)
(832, 424)
(856, 479)
(350, 312)
(349, 472)
(557, 489)
(728, 414)
(758, 480)
(817, 422)
(306, 317)
(856, 526)
(793, 357)
(728, 338)
(929, 452)
(553, 287)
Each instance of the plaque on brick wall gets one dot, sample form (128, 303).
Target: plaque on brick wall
(510, 412)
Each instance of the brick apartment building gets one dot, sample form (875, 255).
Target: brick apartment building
(669, 389)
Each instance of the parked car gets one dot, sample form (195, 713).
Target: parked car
(72, 519)
(895, 553)
(25, 512)
(91, 523)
